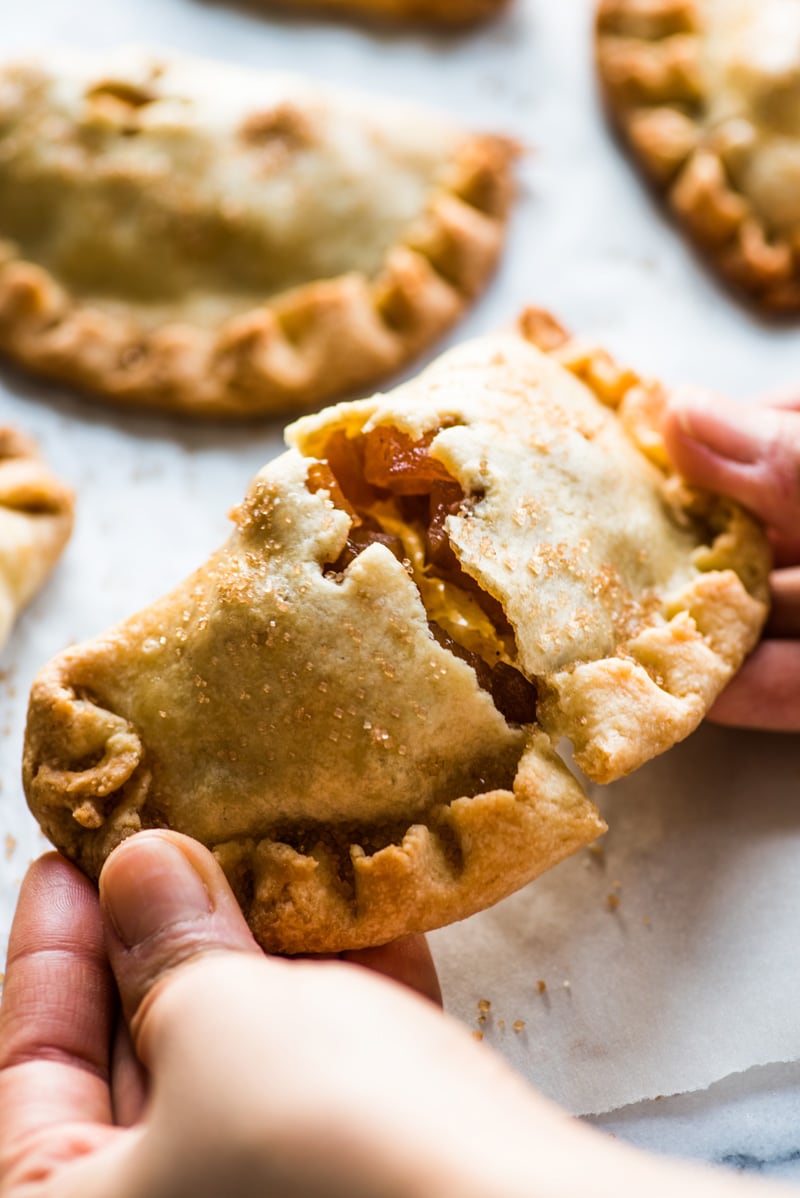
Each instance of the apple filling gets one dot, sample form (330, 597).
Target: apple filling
(399, 496)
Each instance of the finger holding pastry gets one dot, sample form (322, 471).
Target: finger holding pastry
(310, 1078)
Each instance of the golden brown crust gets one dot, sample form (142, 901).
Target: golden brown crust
(653, 64)
(36, 513)
(623, 614)
(304, 345)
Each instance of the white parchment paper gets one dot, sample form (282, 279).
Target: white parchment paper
(670, 958)
(669, 950)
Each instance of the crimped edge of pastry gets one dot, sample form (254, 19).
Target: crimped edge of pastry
(303, 347)
(477, 849)
(649, 64)
(468, 854)
(45, 508)
(443, 13)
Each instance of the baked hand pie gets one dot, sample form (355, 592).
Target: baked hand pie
(35, 524)
(708, 94)
(182, 235)
(429, 12)
(355, 702)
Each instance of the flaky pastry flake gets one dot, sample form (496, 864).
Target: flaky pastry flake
(181, 235)
(707, 93)
(355, 703)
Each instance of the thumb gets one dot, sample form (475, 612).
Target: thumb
(165, 901)
(748, 452)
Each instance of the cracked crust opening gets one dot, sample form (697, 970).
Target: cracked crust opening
(706, 93)
(355, 702)
(36, 513)
(180, 235)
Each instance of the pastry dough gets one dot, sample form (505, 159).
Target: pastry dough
(187, 236)
(35, 524)
(355, 702)
(708, 94)
(429, 12)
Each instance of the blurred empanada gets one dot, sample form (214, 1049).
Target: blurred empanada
(708, 94)
(355, 702)
(35, 524)
(183, 235)
(427, 12)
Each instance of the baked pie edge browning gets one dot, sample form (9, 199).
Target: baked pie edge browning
(649, 61)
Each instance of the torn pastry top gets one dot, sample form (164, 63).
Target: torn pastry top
(553, 540)
(709, 93)
(564, 523)
(169, 198)
(36, 513)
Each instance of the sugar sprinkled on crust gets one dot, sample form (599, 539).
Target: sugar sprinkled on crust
(376, 598)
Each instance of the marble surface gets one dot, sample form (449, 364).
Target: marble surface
(587, 241)
(749, 1121)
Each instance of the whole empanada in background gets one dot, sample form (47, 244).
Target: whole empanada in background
(36, 512)
(428, 12)
(187, 236)
(355, 703)
(707, 93)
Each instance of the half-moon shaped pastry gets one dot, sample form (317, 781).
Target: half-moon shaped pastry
(428, 12)
(355, 702)
(186, 236)
(35, 524)
(708, 95)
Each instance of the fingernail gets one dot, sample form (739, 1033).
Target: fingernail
(148, 885)
(692, 409)
(684, 415)
(726, 428)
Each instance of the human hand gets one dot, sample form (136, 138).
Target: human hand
(751, 452)
(251, 1076)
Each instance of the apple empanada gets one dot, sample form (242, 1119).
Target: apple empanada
(35, 524)
(428, 12)
(708, 95)
(187, 236)
(355, 702)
